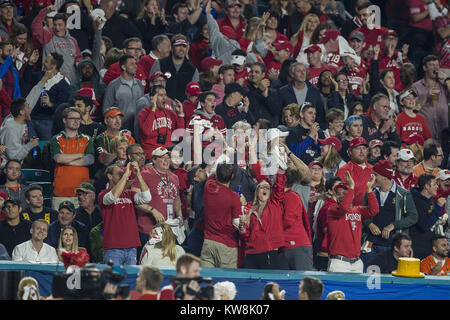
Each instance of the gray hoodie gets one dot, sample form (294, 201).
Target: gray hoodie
(222, 47)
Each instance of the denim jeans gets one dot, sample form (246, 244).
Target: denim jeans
(120, 256)
(43, 129)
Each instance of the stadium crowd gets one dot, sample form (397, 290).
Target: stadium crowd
(281, 134)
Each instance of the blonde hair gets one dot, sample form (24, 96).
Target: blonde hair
(294, 108)
(336, 295)
(116, 142)
(294, 38)
(252, 28)
(143, 13)
(32, 284)
(75, 239)
(168, 242)
(330, 159)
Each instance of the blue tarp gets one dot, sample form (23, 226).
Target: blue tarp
(250, 283)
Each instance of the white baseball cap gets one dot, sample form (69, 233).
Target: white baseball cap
(443, 175)
(405, 155)
(236, 59)
(159, 152)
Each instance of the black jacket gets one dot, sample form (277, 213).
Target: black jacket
(176, 85)
(12, 236)
(371, 132)
(231, 115)
(386, 261)
(149, 30)
(287, 95)
(335, 100)
(118, 29)
(264, 108)
(420, 233)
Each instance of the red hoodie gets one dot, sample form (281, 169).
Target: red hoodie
(159, 121)
(297, 230)
(345, 225)
(222, 205)
(360, 176)
(266, 234)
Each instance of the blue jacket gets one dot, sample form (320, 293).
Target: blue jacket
(287, 96)
(4, 67)
(58, 94)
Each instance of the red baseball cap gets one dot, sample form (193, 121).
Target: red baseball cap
(313, 48)
(156, 75)
(284, 45)
(90, 93)
(232, 3)
(313, 163)
(330, 34)
(208, 63)
(392, 33)
(383, 168)
(341, 185)
(331, 141)
(415, 138)
(357, 142)
(374, 143)
(193, 89)
(179, 41)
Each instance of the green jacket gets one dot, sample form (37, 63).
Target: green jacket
(406, 214)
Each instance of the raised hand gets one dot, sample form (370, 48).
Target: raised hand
(349, 180)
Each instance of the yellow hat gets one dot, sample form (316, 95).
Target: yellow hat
(408, 267)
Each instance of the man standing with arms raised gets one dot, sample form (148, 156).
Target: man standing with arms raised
(120, 231)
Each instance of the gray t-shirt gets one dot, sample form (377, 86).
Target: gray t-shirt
(300, 95)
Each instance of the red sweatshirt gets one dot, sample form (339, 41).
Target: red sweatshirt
(345, 225)
(407, 125)
(151, 122)
(314, 73)
(360, 176)
(266, 234)
(322, 224)
(297, 230)
(114, 72)
(222, 205)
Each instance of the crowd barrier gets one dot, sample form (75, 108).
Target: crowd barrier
(250, 283)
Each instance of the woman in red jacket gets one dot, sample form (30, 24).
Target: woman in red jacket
(262, 231)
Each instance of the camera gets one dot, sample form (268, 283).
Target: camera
(90, 283)
(206, 291)
(161, 138)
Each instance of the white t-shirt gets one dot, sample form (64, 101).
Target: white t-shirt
(26, 252)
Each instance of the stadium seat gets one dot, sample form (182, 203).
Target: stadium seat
(36, 175)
